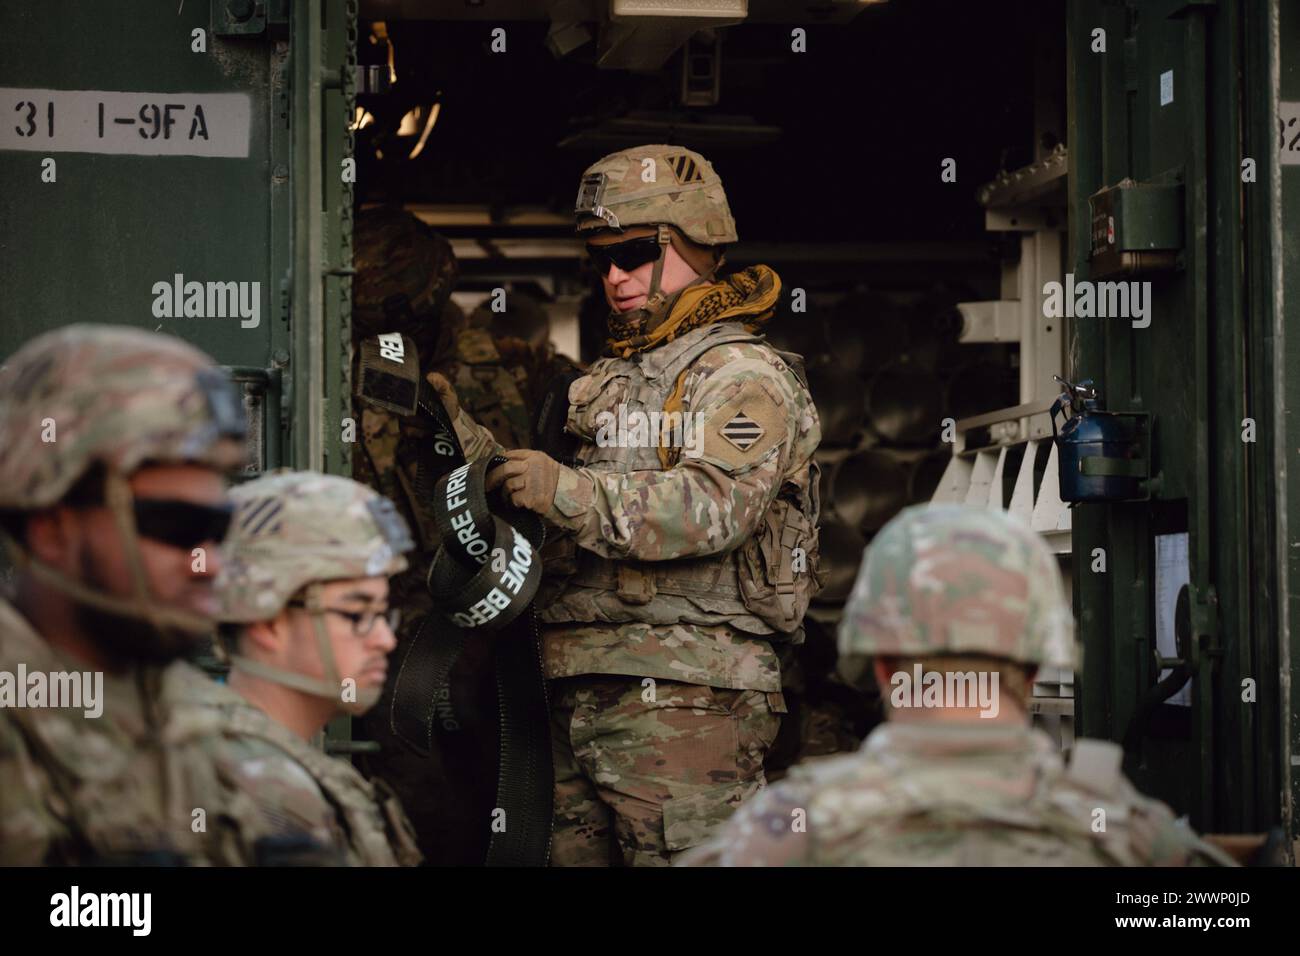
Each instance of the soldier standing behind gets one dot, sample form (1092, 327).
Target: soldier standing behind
(948, 593)
(693, 541)
(401, 301)
(304, 595)
(112, 498)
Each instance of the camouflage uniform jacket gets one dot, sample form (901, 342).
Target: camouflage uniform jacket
(122, 787)
(704, 505)
(299, 789)
(957, 796)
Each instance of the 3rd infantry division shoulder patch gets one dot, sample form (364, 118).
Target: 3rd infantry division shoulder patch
(742, 431)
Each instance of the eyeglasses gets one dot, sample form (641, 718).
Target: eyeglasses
(363, 622)
(627, 255)
(181, 524)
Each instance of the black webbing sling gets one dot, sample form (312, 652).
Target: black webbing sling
(483, 579)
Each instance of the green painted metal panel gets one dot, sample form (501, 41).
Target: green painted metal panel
(1182, 95)
(1286, 350)
(114, 228)
(91, 245)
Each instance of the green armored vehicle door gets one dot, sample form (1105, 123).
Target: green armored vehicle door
(1175, 172)
(178, 165)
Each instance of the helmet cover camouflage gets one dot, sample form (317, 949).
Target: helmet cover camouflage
(956, 580)
(294, 528)
(405, 272)
(683, 191)
(120, 396)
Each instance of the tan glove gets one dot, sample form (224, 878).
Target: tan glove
(530, 479)
(447, 392)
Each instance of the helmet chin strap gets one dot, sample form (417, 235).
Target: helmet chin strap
(659, 304)
(656, 300)
(141, 605)
(330, 686)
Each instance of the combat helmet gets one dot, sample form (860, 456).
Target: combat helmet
(653, 185)
(957, 580)
(86, 395)
(293, 531)
(405, 273)
(659, 186)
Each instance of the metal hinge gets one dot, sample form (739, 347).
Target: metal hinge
(242, 18)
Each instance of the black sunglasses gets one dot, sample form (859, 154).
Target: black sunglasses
(627, 255)
(181, 524)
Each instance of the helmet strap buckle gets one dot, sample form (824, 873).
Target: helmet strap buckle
(655, 297)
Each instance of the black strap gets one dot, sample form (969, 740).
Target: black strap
(483, 579)
(553, 414)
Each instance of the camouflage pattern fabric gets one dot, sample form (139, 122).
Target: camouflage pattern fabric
(683, 191)
(298, 789)
(643, 773)
(667, 192)
(125, 786)
(109, 394)
(405, 276)
(387, 462)
(659, 785)
(959, 580)
(488, 389)
(717, 655)
(708, 507)
(497, 387)
(957, 795)
(293, 528)
(534, 368)
(122, 787)
(705, 506)
(949, 580)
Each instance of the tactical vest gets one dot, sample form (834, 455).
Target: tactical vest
(376, 827)
(488, 390)
(755, 587)
(110, 792)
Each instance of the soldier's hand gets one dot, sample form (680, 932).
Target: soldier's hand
(447, 392)
(530, 478)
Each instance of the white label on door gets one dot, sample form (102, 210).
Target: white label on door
(1173, 570)
(141, 124)
(1288, 122)
(1166, 87)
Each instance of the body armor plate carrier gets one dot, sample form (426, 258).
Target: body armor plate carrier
(764, 586)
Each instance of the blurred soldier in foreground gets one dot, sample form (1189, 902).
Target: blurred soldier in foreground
(304, 595)
(692, 536)
(958, 606)
(112, 497)
(402, 310)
